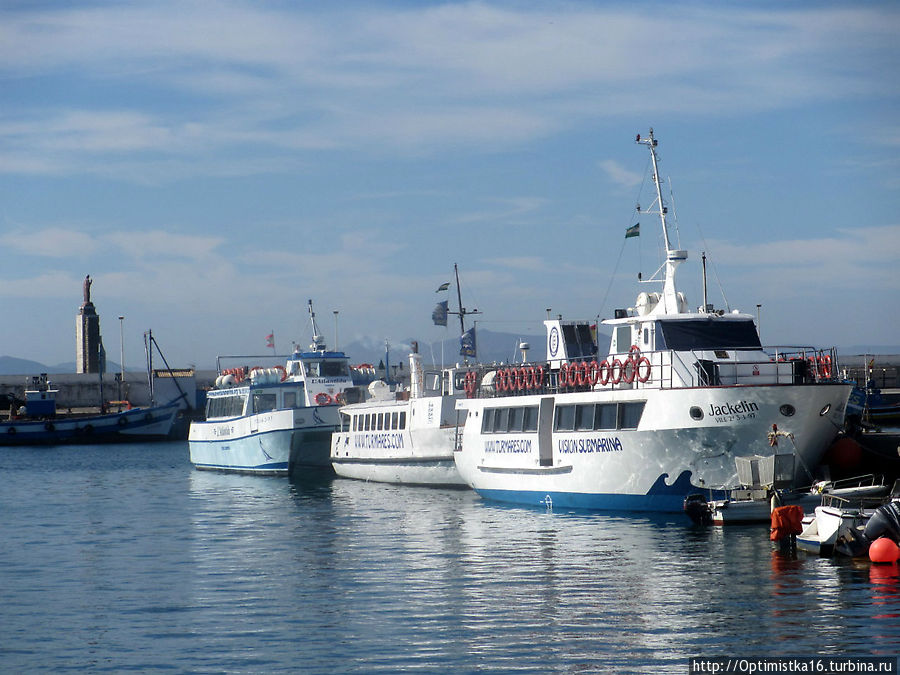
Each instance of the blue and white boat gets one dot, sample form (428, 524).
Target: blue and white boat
(679, 395)
(275, 420)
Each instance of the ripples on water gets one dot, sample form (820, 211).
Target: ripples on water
(125, 558)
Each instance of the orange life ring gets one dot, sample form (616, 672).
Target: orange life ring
(502, 380)
(283, 372)
(529, 377)
(470, 384)
(564, 374)
(604, 372)
(615, 371)
(643, 377)
(339, 398)
(592, 372)
(634, 349)
(322, 398)
(580, 373)
(825, 366)
(521, 378)
(538, 377)
(629, 368)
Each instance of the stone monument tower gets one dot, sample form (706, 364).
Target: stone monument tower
(87, 334)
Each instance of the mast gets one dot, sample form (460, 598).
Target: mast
(318, 342)
(462, 311)
(674, 257)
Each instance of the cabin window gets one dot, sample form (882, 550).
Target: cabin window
(531, 418)
(631, 414)
(501, 419)
(584, 417)
(263, 402)
(623, 339)
(709, 334)
(224, 406)
(290, 399)
(366, 421)
(605, 416)
(395, 420)
(565, 418)
(379, 422)
(487, 421)
(599, 417)
(516, 419)
(403, 420)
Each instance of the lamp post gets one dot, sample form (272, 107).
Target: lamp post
(121, 354)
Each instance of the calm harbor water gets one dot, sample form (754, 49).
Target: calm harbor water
(124, 558)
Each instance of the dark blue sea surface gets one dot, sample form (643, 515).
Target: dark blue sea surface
(124, 558)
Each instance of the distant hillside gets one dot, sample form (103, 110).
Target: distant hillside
(10, 365)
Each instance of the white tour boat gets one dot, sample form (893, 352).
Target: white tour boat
(663, 415)
(270, 420)
(404, 437)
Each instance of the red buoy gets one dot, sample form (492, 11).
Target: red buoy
(844, 454)
(884, 550)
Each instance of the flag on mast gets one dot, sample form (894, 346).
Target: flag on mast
(467, 343)
(633, 231)
(270, 340)
(443, 287)
(439, 314)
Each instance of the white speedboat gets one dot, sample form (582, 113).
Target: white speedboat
(662, 415)
(404, 437)
(271, 420)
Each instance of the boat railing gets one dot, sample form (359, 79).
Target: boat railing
(660, 369)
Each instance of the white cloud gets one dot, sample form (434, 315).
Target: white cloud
(620, 175)
(51, 242)
(257, 81)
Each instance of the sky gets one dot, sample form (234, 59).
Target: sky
(213, 165)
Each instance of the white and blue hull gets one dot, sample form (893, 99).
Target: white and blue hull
(271, 443)
(652, 467)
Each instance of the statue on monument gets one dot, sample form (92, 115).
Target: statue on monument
(87, 289)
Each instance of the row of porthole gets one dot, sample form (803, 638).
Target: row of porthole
(787, 410)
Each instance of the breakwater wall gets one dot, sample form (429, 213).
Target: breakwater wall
(77, 390)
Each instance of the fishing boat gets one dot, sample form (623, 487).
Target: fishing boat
(274, 420)
(678, 396)
(407, 436)
(39, 422)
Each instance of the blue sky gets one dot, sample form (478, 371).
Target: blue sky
(214, 164)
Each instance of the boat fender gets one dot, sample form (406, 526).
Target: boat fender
(604, 372)
(123, 421)
(11, 431)
(883, 550)
(885, 522)
(644, 375)
(49, 426)
(88, 428)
